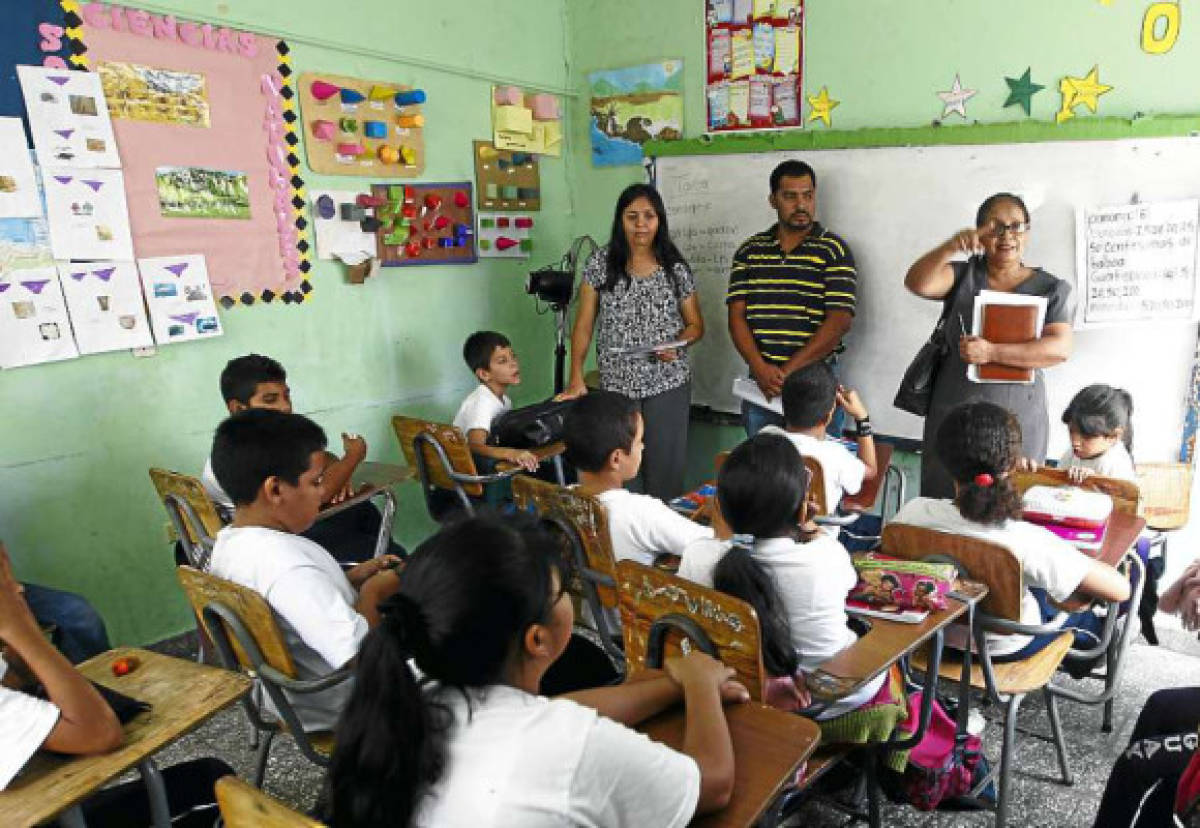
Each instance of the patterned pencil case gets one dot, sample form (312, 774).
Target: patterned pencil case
(892, 582)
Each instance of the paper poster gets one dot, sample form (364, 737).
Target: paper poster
(504, 235)
(741, 47)
(787, 50)
(718, 105)
(741, 10)
(764, 46)
(196, 192)
(87, 214)
(337, 237)
(789, 9)
(720, 11)
(105, 303)
(634, 105)
(739, 102)
(719, 55)
(19, 196)
(144, 93)
(763, 9)
(180, 298)
(68, 118)
(34, 326)
(526, 121)
(760, 99)
(785, 106)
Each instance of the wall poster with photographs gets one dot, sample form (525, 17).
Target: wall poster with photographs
(180, 298)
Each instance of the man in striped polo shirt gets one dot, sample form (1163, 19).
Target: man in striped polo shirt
(791, 292)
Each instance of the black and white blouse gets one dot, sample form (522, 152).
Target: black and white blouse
(645, 311)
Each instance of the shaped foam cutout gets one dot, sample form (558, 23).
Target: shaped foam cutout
(326, 209)
(502, 221)
(527, 192)
(433, 201)
(429, 242)
(527, 245)
(351, 96)
(487, 152)
(388, 155)
(348, 124)
(410, 121)
(461, 200)
(410, 97)
(509, 191)
(408, 155)
(441, 223)
(352, 212)
(370, 224)
(446, 242)
(505, 243)
(353, 150)
(381, 93)
(523, 222)
(323, 90)
(324, 130)
(484, 244)
(368, 200)
(375, 129)
(508, 96)
(545, 107)
(412, 249)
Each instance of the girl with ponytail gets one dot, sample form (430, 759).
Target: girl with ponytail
(481, 613)
(979, 445)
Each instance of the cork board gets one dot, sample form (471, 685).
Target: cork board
(339, 112)
(496, 170)
(425, 223)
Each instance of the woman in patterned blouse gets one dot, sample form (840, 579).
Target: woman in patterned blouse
(639, 294)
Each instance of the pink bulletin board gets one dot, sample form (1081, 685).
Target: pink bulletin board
(251, 113)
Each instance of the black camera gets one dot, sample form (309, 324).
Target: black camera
(551, 285)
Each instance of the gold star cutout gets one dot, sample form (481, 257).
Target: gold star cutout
(822, 107)
(1076, 91)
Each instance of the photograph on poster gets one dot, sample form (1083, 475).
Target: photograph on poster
(196, 192)
(145, 93)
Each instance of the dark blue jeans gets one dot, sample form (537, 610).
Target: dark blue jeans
(755, 417)
(80, 632)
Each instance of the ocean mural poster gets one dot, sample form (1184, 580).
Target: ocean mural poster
(630, 106)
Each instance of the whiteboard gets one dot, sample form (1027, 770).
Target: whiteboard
(894, 203)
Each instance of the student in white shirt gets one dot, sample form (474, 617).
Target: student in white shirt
(796, 581)
(979, 444)
(481, 613)
(811, 396)
(272, 464)
(491, 359)
(1099, 420)
(603, 433)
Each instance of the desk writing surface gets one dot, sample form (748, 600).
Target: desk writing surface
(542, 453)
(768, 748)
(367, 480)
(864, 501)
(182, 696)
(1122, 532)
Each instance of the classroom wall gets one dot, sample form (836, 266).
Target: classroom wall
(78, 510)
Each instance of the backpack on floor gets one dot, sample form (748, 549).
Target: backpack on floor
(941, 769)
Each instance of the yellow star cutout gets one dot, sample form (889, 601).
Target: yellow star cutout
(822, 107)
(1076, 91)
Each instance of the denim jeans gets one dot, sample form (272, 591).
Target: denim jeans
(80, 632)
(755, 417)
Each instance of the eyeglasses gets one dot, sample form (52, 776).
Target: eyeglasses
(1017, 228)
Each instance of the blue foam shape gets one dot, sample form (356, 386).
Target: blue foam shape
(352, 96)
(375, 129)
(410, 97)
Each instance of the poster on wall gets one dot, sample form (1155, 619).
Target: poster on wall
(19, 196)
(180, 298)
(104, 300)
(206, 119)
(34, 327)
(755, 71)
(87, 213)
(68, 118)
(634, 105)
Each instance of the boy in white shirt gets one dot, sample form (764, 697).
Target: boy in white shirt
(603, 434)
(490, 357)
(811, 395)
(272, 465)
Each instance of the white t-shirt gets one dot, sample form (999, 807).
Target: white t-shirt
(521, 760)
(479, 409)
(313, 603)
(1047, 561)
(843, 472)
(25, 722)
(813, 580)
(1115, 462)
(215, 493)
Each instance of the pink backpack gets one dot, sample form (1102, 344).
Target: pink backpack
(938, 768)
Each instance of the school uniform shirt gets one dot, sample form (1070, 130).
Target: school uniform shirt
(216, 494)
(313, 603)
(517, 759)
(480, 409)
(1047, 561)
(25, 723)
(1115, 462)
(813, 580)
(843, 472)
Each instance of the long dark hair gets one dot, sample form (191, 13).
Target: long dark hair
(739, 575)
(979, 444)
(665, 251)
(1099, 410)
(466, 598)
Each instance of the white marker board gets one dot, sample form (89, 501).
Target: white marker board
(894, 203)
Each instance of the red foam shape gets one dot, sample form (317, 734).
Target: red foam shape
(430, 242)
(441, 222)
(364, 200)
(524, 222)
(502, 221)
(504, 243)
(433, 201)
(412, 249)
(323, 89)
(461, 200)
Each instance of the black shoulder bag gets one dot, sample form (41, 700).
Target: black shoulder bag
(916, 389)
(530, 427)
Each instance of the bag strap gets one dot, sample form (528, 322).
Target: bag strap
(952, 294)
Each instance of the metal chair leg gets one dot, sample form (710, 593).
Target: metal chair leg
(260, 761)
(1006, 757)
(1106, 726)
(1056, 730)
(875, 819)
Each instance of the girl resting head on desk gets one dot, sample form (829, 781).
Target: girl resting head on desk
(483, 611)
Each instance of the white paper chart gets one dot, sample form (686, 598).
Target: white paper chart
(68, 118)
(34, 327)
(19, 197)
(105, 303)
(179, 297)
(87, 214)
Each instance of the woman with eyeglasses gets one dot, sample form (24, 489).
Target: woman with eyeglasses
(994, 248)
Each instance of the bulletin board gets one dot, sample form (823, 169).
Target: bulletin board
(34, 34)
(755, 52)
(340, 113)
(210, 157)
(506, 180)
(425, 224)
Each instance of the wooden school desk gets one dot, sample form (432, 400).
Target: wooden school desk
(182, 696)
(553, 451)
(370, 480)
(1122, 532)
(769, 746)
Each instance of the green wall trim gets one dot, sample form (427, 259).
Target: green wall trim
(1016, 132)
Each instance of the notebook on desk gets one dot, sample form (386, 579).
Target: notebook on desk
(1006, 319)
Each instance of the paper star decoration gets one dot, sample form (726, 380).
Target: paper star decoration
(955, 98)
(1076, 91)
(1021, 91)
(822, 107)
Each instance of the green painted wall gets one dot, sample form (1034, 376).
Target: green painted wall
(78, 510)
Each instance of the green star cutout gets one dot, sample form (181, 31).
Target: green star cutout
(1021, 90)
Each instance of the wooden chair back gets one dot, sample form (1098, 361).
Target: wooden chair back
(191, 491)
(989, 563)
(648, 594)
(1126, 497)
(1166, 494)
(245, 806)
(203, 589)
(816, 487)
(584, 515)
(454, 444)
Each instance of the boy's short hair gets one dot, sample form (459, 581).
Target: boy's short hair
(258, 443)
(599, 423)
(243, 374)
(808, 395)
(479, 347)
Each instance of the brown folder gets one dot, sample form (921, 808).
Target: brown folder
(1008, 325)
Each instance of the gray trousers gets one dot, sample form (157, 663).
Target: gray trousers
(665, 455)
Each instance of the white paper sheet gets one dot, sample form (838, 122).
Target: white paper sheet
(747, 389)
(336, 238)
(105, 303)
(19, 196)
(996, 297)
(179, 297)
(34, 326)
(68, 117)
(87, 214)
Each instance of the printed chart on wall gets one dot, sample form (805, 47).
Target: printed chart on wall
(755, 64)
(105, 303)
(180, 299)
(34, 326)
(204, 118)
